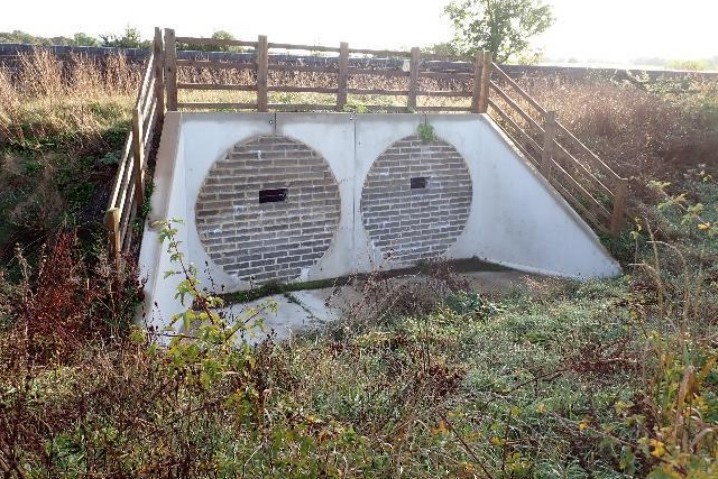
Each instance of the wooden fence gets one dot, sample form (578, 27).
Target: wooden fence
(596, 191)
(585, 181)
(128, 192)
(338, 64)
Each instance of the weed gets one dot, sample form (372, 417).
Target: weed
(110, 159)
(471, 304)
(355, 107)
(426, 133)
(68, 300)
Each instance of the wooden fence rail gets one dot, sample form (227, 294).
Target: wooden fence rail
(585, 181)
(338, 63)
(128, 191)
(589, 185)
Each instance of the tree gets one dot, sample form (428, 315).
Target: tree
(446, 49)
(218, 35)
(84, 40)
(223, 35)
(64, 41)
(131, 38)
(502, 27)
(18, 36)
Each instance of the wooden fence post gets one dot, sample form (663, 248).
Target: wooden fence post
(484, 84)
(262, 70)
(619, 206)
(138, 152)
(413, 79)
(476, 93)
(112, 223)
(548, 139)
(343, 77)
(171, 69)
(159, 50)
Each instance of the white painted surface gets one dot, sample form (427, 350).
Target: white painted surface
(167, 202)
(517, 219)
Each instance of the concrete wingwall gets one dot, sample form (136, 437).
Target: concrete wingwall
(295, 196)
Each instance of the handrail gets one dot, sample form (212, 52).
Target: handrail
(215, 87)
(128, 190)
(315, 48)
(607, 169)
(601, 202)
(588, 173)
(507, 118)
(147, 78)
(215, 42)
(518, 89)
(183, 62)
(516, 107)
(122, 167)
(412, 65)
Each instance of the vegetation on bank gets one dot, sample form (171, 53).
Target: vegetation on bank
(61, 130)
(610, 379)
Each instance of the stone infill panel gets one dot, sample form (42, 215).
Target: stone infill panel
(268, 209)
(416, 199)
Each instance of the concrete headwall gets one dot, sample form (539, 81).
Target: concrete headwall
(292, 196)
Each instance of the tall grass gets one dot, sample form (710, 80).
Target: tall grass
(642, 132)
(45, 99)
(61, 121)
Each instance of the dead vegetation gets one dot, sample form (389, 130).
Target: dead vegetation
(645, 134)
(47, 101)
(605, 379)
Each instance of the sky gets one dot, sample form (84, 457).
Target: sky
(608, 30)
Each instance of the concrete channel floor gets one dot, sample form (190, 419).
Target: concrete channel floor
(289, 314)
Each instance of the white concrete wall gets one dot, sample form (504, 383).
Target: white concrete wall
(167, 202)
(517, 219)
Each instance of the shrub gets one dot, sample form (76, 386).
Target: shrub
(642, 133)
(66, 301)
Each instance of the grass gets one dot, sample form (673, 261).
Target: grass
(561, 381)
(605, 379)
(61, 125)
(47, 103)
